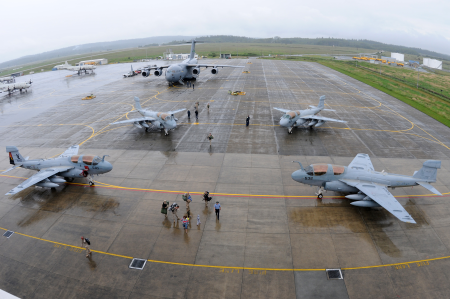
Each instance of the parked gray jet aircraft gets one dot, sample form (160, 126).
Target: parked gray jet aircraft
(368, 187)
(162, 120)
(308, 117)
(69, 165)
(188, 69)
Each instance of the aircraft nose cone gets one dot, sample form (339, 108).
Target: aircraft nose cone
(283, 122)
(108, 166)
(298, 175)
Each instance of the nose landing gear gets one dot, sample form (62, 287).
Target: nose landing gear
(319, 193)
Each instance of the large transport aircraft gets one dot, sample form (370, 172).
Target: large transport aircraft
(365, 186)
(186, 70)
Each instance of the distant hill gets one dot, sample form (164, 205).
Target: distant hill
(93, 47)
(151, 41)
(354, 43)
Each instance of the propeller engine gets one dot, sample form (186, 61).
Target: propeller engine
(214, 71)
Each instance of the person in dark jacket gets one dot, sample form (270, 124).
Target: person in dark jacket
(247, 121)
(189, 114)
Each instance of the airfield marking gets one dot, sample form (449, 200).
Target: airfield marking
(396, 265)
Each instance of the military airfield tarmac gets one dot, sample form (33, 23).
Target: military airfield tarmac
(275, 238)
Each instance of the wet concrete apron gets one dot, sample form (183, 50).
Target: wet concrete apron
(274, 239)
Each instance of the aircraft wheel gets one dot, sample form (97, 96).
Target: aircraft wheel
(91, 183)
(320, 196)
(146, 129)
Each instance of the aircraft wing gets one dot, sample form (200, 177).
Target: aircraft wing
(362, 162)
(73, 150)
(155, 67)
(212, 65)
(176, 111)
(36, 178)
(384, 198)
(282, 110)
(317, 117)
(147, 118)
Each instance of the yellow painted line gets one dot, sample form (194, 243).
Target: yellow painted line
(227, 267)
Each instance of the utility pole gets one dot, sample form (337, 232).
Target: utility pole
(417, 77)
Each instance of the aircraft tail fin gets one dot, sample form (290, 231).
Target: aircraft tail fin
(192, 50)
(137, 103)
(321, 102)
(14, 156)
(428, 171)
(131, 68)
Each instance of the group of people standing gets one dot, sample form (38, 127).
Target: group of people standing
(174, 207)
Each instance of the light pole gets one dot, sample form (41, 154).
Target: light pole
(417, 77)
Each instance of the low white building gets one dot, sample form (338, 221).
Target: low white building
(432, 63)
(398, 56)
(100, 61)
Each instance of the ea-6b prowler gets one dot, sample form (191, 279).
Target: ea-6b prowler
(188, 69)
(367, 187)
(308, 117)
(161, 120)
(69, 165)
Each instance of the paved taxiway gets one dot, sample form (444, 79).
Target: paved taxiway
(274, 239)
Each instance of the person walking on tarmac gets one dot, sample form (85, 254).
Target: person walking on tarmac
(247, 121)
(196, 115)
(206, 198)
(85, 244)
(189, 114)
(210, 137)
(185, 224)
(174, 209)
(187, 198)
(164, 207)
(217, 209)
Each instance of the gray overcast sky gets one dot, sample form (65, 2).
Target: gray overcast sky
(31, 27)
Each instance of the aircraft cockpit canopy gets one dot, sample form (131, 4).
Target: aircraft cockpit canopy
(321, 169)
(74, 159)
(286, 116)
(163, 116)
(291, 114)
(91, 160)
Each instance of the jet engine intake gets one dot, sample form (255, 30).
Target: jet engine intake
(365, 204)
(158, 72)
(55, 179)
(196, 71)
(47, 184)
(157, 124)
(321, 122)
(214, 71)
(339, 186)
(300, 122)
(313, 122)
(146, 73)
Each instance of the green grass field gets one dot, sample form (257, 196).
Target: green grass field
(212, 50)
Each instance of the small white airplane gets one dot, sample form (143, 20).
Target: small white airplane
(10, 88)
(77, 68)
(8, 79)
(131, 73)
